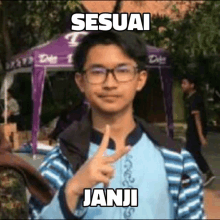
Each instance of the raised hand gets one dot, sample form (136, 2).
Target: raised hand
(97, 169)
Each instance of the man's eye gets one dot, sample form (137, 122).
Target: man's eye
(97, 71)
(123, 70)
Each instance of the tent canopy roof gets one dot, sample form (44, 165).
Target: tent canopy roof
(58, 53)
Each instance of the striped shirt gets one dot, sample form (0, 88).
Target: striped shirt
(184, 181)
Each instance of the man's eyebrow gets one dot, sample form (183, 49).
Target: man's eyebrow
(123, 64)
(95, 65)
(100, 65)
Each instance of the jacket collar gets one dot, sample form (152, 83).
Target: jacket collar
(133, 137)
(75, 140)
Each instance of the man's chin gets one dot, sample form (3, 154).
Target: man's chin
(109, 110)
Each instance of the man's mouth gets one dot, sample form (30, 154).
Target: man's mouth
(108, 96)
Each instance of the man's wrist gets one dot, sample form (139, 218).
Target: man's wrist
(66, 207)
(73, 187)
(201, 137)
(71, 195)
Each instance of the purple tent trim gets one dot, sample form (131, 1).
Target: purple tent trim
(57, 55)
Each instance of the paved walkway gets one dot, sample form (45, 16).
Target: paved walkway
(212, 204)
(212, 193)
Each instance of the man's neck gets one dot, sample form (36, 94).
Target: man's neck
(191, 93)
(121, 124)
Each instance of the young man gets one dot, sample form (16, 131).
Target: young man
(197, 125)
(112, 147)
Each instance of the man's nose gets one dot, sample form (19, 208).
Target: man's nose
(110, 80)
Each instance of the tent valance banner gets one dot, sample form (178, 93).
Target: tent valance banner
(59, 52)
(57, 55)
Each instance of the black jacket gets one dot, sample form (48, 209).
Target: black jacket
(75, 140)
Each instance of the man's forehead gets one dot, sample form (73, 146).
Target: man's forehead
(100, 46)
(108, 53)
(106, 50)
(185, 80)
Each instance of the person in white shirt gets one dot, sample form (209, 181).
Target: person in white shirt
(13, 110)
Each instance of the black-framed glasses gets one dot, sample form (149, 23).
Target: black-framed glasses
(99, 74)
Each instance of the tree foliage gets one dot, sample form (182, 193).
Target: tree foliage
(191, 40)
(194, 41)
(24, 24)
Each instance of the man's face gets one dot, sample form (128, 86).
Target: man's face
(110, 96)
(187, 86)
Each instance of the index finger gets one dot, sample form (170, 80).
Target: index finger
(104, 144)
(118, 154)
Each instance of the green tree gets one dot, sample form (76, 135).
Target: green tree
(196, 40)
(24, 24)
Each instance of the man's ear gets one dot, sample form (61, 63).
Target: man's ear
(79, 79)
(142, 79)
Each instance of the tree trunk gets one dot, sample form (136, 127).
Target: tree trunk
(117, 7)
(84, 8)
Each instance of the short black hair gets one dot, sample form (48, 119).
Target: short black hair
(191, 79)
(133, 46)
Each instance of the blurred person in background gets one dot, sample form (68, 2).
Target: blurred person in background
(13, 111)
(196, 134)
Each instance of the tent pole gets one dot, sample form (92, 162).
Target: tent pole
(6, 103)
(167, 104)
(169, 123)
(164, 101)
(38, 88)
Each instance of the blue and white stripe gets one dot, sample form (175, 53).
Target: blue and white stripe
(188, 200)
